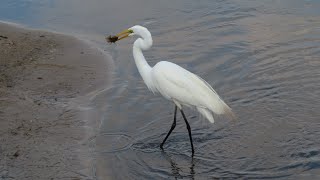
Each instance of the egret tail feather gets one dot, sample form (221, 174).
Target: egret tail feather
(206, 113)
(228, 112)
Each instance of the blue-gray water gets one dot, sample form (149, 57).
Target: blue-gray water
(262, 57)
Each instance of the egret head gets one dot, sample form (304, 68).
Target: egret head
(134, 30)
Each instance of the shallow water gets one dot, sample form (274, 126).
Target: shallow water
(262, 57)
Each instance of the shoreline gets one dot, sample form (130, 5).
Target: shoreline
(47, 81)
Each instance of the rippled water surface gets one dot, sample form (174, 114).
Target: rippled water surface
(262, 57)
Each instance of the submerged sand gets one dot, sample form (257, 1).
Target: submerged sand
(46, 121)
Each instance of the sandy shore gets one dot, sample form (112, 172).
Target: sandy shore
(46, 121)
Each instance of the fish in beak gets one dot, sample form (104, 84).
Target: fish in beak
(122, 35)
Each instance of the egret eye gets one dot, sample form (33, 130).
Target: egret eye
(130, 31)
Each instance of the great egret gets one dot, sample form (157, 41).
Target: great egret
(173, 82)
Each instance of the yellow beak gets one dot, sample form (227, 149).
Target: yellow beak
(123, 34)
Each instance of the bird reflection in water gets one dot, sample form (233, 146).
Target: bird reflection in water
(176, 170)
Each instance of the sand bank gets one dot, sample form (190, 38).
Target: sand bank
(46, 82)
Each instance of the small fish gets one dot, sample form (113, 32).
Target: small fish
(112, 39)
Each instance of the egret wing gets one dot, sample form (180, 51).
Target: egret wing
(174, 82)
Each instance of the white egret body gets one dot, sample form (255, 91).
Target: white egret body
(175, 83)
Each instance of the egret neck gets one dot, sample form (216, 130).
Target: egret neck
(143, 67)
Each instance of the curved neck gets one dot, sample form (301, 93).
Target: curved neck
(141, 62)
(143, 67)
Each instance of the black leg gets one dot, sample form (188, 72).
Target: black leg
(171, 129)
(189, 130)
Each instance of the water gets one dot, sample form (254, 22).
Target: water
(262, 57)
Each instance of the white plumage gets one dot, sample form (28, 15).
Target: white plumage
(185, 88)
(174, 83)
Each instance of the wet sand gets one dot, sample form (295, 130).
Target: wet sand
(46, 120)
